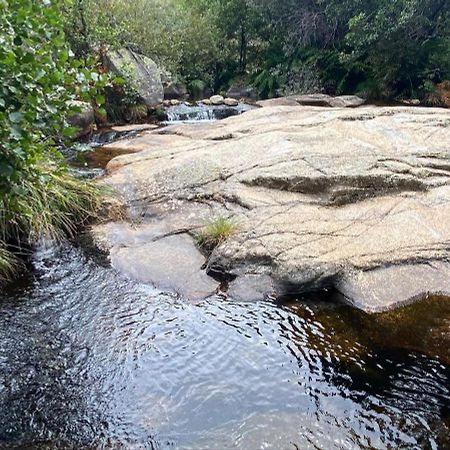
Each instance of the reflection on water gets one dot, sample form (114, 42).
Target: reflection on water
(91, 360)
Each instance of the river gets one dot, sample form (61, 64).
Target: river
(90, 360)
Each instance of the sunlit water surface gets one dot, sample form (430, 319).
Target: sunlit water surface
(91, 360)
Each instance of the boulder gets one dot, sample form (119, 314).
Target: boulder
(230, 102)
(84, 120)
(217, 100)
(142, 72)
(175, 90)
(238, 92)
(355, 200)
(411, 102)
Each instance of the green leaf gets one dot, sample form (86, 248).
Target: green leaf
(15, 117)
(100, 99)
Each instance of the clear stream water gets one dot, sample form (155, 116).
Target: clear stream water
(91, 360)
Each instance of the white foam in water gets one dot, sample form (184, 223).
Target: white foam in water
(202, 113)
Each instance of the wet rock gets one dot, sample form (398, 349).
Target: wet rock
(84, 120)
(251, 287)
(217, 100)
(147, 254)
(144, 74)
(324, 197)
(381, 286)
(239, 91)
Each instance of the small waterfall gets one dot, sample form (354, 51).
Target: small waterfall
(202, 113)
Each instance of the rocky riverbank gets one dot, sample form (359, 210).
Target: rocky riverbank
(356, 200)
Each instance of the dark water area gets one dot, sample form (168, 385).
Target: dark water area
(91, 360)
(86, 158)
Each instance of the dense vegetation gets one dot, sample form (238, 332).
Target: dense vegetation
(378, 48)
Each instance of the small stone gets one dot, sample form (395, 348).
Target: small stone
(231, 102)
(217, 100)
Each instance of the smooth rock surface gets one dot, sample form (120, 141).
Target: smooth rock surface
(134, 127)
(323, 197)
(230, 102)
(343, 101)
(152, 255)
(378, 287)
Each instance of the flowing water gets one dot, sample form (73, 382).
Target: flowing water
(90, 360)
(203, 113)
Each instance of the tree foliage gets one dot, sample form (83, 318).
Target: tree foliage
(381, 48)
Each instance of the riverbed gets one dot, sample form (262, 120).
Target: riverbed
(90, 360)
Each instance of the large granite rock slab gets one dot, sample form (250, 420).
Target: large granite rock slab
(351, 199)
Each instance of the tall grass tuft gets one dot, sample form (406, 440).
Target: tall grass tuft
(215, 232)
(51, 206)
(8, 264)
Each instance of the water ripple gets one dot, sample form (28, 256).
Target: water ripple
(90, 360)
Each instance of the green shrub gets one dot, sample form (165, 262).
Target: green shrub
(56, 204)
(40, 78)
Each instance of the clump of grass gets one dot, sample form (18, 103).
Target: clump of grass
(8, 264)
(52, 208)
(216, 232)
(52, 205)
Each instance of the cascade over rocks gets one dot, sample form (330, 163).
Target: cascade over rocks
(351, 199)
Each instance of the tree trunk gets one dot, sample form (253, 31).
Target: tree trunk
(243, 50)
